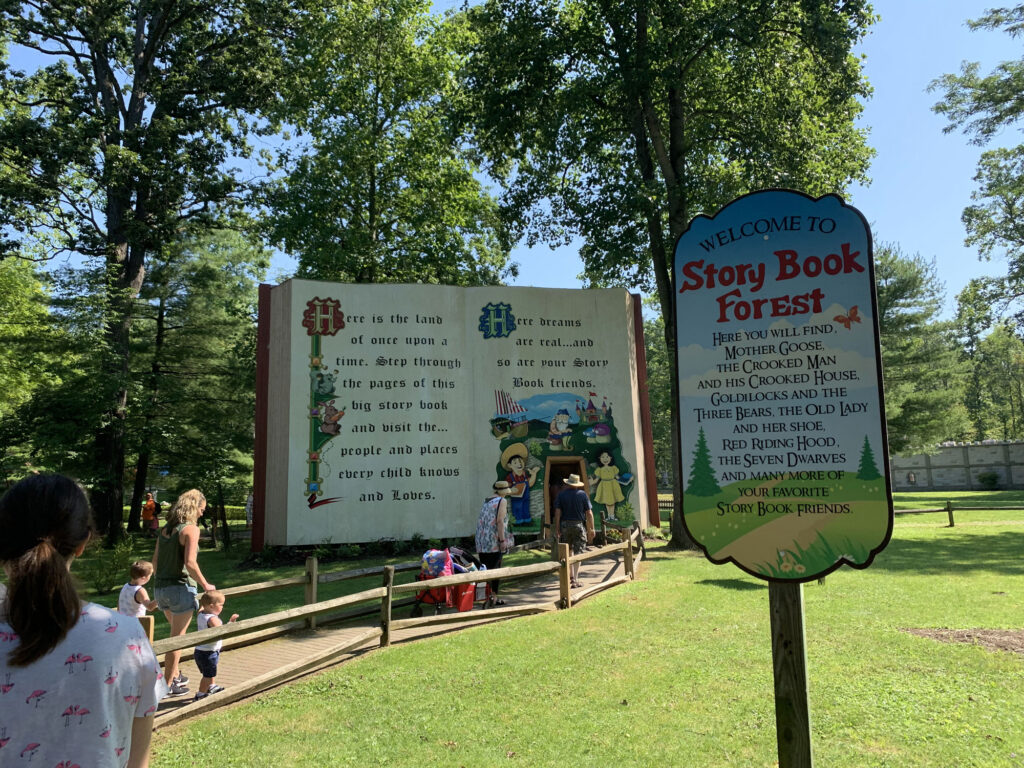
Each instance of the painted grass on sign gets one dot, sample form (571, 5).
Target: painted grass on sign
(674, 669)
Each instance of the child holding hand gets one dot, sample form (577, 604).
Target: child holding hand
(211, 604)
(134, 600)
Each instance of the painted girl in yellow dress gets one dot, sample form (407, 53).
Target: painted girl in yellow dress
(608, 491)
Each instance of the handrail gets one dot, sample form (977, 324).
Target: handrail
(477, 576)
(388, 592)
(235, 628)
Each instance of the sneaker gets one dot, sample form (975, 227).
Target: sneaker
(216, 688)
(181, 679)
(177, 689)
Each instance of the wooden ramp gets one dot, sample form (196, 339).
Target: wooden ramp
(248, 670)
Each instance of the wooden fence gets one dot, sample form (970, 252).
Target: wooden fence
(382, 599)
(949, 508)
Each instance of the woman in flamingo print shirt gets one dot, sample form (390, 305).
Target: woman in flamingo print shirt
(79, 684)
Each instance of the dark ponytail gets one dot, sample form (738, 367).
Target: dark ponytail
(44, 518)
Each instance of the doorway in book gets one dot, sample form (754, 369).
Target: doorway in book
(556, 470)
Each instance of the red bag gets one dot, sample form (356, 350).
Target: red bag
(463, 596)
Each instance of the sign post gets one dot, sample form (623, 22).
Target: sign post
(789, 659)
(784, 454)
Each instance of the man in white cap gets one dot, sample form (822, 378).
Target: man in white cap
(574, 521)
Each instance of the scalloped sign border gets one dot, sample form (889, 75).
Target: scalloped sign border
(784, 453)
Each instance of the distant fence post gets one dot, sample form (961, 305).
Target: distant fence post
(949, 511)
(627, 552)
(312, 577)
(385, 606)
(563, 576)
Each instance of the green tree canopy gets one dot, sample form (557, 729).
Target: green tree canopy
(381, 188)
(983, 106)
(119, 136)
(619, 122)
(924, 381)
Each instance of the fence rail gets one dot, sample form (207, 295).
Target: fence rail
(258, 626)
(949, 509)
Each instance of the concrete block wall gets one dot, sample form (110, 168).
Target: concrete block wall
(956, 467)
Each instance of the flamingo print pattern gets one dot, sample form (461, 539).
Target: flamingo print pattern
(94, 684)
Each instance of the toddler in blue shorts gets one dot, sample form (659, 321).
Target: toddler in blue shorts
(206, 656)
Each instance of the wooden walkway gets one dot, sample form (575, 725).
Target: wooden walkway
(281, 659)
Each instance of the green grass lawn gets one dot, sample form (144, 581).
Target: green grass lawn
(931, 499)
(675, 670)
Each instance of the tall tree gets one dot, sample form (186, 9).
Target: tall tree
(381, 188)
(621, 121)
(999, 362)
(983, 106)
(120, 135)
(194, 379)
(24, 325)
(28, 358)
(54, 428)
(659, 391)
(924, 380)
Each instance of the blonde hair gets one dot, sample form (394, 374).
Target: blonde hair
(141, 569)
(186, 508)
(209, 598)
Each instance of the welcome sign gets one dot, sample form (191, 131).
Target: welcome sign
(784, 456)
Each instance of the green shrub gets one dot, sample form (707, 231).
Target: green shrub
(418, 543)
(988, 480)
(104, 570)
(624, 513)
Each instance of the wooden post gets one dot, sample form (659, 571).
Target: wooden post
(312, 577)
(385, 606)
(640, 540)
(792, 712)
(949, 511)
(627, 552)
(563, 576)
(147, 623)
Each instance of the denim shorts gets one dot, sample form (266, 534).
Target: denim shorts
(207, 662)
(178, 598)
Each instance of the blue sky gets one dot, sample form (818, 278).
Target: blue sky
(921, 177)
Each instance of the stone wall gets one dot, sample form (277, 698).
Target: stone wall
(956, 467)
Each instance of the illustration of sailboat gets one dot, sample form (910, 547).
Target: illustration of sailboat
(511, 416)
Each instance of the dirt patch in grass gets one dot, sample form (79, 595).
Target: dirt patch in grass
(993, 639)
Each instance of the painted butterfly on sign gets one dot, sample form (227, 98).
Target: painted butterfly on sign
(848, 320)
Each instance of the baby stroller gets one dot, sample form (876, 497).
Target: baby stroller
(445, 562)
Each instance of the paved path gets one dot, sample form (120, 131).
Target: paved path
(240, 665)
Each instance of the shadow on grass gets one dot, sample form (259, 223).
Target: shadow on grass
(956, 553)
(737, 584)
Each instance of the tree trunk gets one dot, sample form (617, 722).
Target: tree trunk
(145, 440)
(139, 488)
(124, 266)
(223, 518)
